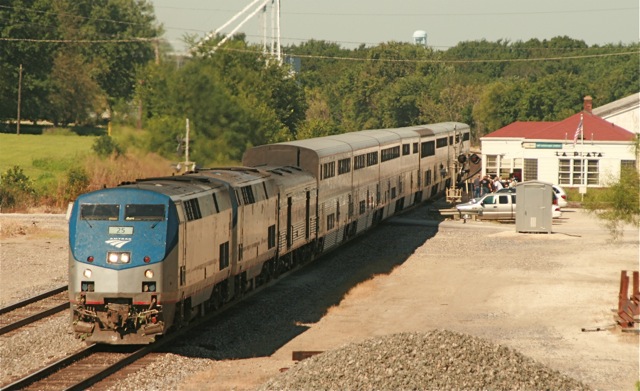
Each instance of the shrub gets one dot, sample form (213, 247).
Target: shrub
(106, 146)
(15, 188)
(77, 183)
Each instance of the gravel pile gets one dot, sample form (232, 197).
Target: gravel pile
(439, 359)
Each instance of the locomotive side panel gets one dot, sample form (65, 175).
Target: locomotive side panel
(257, 216)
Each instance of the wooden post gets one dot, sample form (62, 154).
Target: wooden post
(19, 98)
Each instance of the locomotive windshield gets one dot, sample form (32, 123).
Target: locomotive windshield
(99, 212)
(148, 212)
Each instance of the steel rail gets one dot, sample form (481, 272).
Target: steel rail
(42, 373)
(33, 299)
(34, 318)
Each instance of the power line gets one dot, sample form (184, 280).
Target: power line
(342, 58)
(446, 61)
(571, 11)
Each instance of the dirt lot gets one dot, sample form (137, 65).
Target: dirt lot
(537, 302)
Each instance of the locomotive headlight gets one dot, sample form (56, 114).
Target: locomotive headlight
(87, 273)
(148, 273)
(115, 257)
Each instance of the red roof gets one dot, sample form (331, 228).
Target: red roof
(593, 127)
(520, 129)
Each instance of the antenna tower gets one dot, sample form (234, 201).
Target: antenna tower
(253, 8)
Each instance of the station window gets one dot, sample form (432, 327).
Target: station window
(578, 172)
(530, 170)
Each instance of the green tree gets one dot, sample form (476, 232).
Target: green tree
(79, 45)
(619, 203)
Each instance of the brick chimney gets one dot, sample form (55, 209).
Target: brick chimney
(588, 103)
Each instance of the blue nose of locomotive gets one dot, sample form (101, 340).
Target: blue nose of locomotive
(122, 228)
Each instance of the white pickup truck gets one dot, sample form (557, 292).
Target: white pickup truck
(493, 206)
(499, 206)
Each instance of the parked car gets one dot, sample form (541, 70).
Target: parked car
(492, 206)
(498, 206)
(561, 194)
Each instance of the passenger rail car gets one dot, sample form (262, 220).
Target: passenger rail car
(151, 254)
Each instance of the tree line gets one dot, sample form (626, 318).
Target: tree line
(95, 57)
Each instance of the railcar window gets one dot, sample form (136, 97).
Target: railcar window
(271, 236)
(372, 158)
(224, 255)
(344, 166)
(192, 209)
(144, 212)
(428, 149)
(441, 142)
(247, 195)
(328, 170)
(390, 153)
(109, 212)
(465, 136)
(406, 149)
(215, 203)
(359, 162)
(427, 177)
(450, 140)
(415, 147)
(331, 221)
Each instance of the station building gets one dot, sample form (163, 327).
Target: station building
(581, 151)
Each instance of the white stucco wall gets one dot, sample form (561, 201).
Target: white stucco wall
(608, 154)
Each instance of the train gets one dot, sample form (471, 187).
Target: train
(152, 254)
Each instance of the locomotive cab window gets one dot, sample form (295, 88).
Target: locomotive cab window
(109, 212)
(144, 212)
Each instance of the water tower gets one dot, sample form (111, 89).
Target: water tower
(420, 38)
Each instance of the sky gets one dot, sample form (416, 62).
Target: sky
(351, 23)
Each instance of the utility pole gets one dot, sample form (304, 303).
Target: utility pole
(19, 98)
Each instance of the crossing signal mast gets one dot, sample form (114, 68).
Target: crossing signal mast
(266, 8)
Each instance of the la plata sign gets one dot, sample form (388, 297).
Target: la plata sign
(581, 154)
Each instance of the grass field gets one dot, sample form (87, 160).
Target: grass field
(43, 156)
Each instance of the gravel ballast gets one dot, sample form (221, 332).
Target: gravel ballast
(437, 360)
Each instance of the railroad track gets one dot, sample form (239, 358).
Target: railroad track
(81, 369)
(38, 307)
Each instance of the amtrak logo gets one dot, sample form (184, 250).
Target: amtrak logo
(117, 243)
